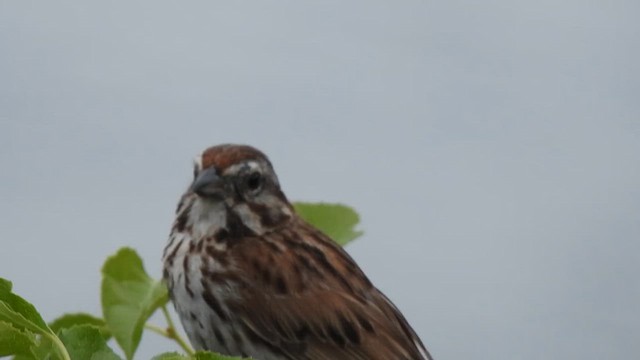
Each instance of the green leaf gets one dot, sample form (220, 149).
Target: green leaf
(27, 357)
(335, 220)
(85, 342)
(5, 285)
(14, 341)
(170, 356)
(22, 315)
(19, 312)
(200, 355)
(67, 321)
(46, 349)
(129, 297)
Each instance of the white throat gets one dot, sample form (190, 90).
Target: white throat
(206, 218)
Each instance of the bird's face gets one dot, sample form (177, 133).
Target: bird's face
(237, 186)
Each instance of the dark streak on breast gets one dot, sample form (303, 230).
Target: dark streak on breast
(219, 337)
(199, 246)
(214, 304)
(172, 255)
(181, 221)
(222, 278)
(185, 267)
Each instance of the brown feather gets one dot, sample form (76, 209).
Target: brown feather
(323, 311)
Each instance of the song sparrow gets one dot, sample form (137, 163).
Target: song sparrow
(248, 277)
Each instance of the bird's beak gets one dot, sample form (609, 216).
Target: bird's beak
(208, 184)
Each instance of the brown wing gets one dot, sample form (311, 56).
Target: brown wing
(307, 299)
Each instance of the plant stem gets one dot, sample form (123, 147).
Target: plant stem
(60, 348)
(158, 330)
(172, 332)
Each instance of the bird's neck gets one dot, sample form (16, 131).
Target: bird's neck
(206, 219)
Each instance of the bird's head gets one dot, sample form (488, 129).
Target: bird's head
(236, 187)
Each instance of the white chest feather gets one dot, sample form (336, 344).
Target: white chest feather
(199, 296)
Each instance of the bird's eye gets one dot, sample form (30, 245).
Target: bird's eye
(254, 181)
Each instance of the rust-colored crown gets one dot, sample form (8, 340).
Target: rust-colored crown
(222, 156)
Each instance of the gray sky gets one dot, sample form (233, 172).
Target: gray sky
(492, 149)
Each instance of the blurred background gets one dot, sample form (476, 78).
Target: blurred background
(492, 149)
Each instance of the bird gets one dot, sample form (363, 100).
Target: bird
(249, 277)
